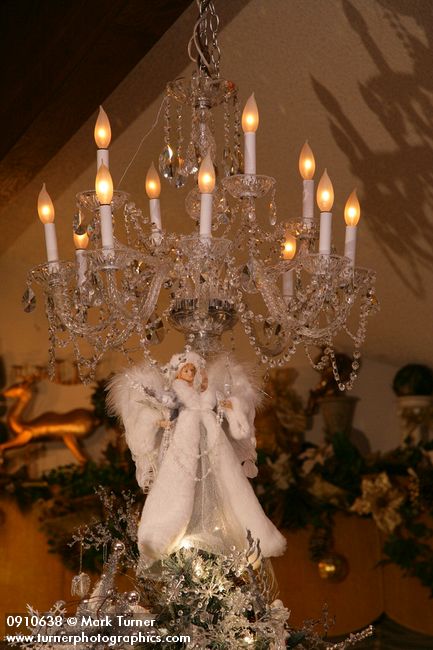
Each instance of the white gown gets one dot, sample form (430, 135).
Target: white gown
(200, 495)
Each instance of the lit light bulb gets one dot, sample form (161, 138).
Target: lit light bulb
(81, 241)
(289, 248)
(206, 175)
(153, 184)
(45, 206)
(186, 543)
(104, 185)
(102, 130)
(248, 639)
(307, 164)
(250, 116)
(325, 193)
(352, 210)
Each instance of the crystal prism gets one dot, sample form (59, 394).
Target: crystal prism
(28, 300)
(166, 166)
(80, 585)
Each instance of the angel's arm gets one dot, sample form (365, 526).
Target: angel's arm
(239, 409)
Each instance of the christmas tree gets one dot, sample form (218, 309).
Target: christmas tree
(198, 577)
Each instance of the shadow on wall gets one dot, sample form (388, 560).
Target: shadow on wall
(397, 186)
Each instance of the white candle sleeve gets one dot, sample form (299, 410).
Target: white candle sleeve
(250, 152)
(155, 213)
(350, 244)
(308, 202)
(206, 216)
(288, 284)
(51, 242)
(106, 226)
(102, 156)
(81, 259)
(325, 233)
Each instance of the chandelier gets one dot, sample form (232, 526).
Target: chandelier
(132, 278)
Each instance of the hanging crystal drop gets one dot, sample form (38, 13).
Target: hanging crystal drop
(224, 211)
(228, 162)
(180, 177)
(228, 383)
(247, 282)
(76, 222)
(166, 166)
(237, 162)
(28, 300)
(272, 212)
(191, 165)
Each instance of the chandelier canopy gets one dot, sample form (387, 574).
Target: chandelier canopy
(132, 277)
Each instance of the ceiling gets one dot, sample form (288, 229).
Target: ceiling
(355, 78)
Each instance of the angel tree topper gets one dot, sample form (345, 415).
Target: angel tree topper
(194, 448)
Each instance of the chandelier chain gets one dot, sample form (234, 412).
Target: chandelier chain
(204, 40)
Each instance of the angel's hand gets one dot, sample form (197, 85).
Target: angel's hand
(250, 468)
(204, 383)
(226, 404)
(164, 424)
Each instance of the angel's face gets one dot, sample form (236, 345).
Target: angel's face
(187, 372)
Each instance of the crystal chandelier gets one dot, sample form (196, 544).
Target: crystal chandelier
(282, 282)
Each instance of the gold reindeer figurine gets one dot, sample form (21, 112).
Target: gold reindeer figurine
(69, 427)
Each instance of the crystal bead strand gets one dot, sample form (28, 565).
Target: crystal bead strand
(238, 165)
(227, 158)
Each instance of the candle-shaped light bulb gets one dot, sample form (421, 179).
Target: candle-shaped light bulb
(352, 210)
(307, 164)
(289, 248)
(325, 193)
(104, 185)
(153, 183)
(307, 167)
(153, 190)
(288, 253)
(206, 185)
(250, 122)
(206, 175)
(81, 241)
(46, 215)
(250, 116)
(325, 200)
(352, 213)
(45, 206)
(102, 130)
(104, 192)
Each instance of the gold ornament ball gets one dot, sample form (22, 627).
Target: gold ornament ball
(333, 567)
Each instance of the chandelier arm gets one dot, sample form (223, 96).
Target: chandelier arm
(145, 307)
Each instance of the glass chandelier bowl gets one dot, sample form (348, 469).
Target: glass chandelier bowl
(88, 200)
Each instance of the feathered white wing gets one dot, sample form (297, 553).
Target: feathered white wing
(245, 397)
(134, 395)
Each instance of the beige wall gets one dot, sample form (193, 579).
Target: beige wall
(289, 52)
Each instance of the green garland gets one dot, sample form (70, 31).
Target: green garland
(338, 480)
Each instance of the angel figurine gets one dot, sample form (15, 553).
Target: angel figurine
(190, 429)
